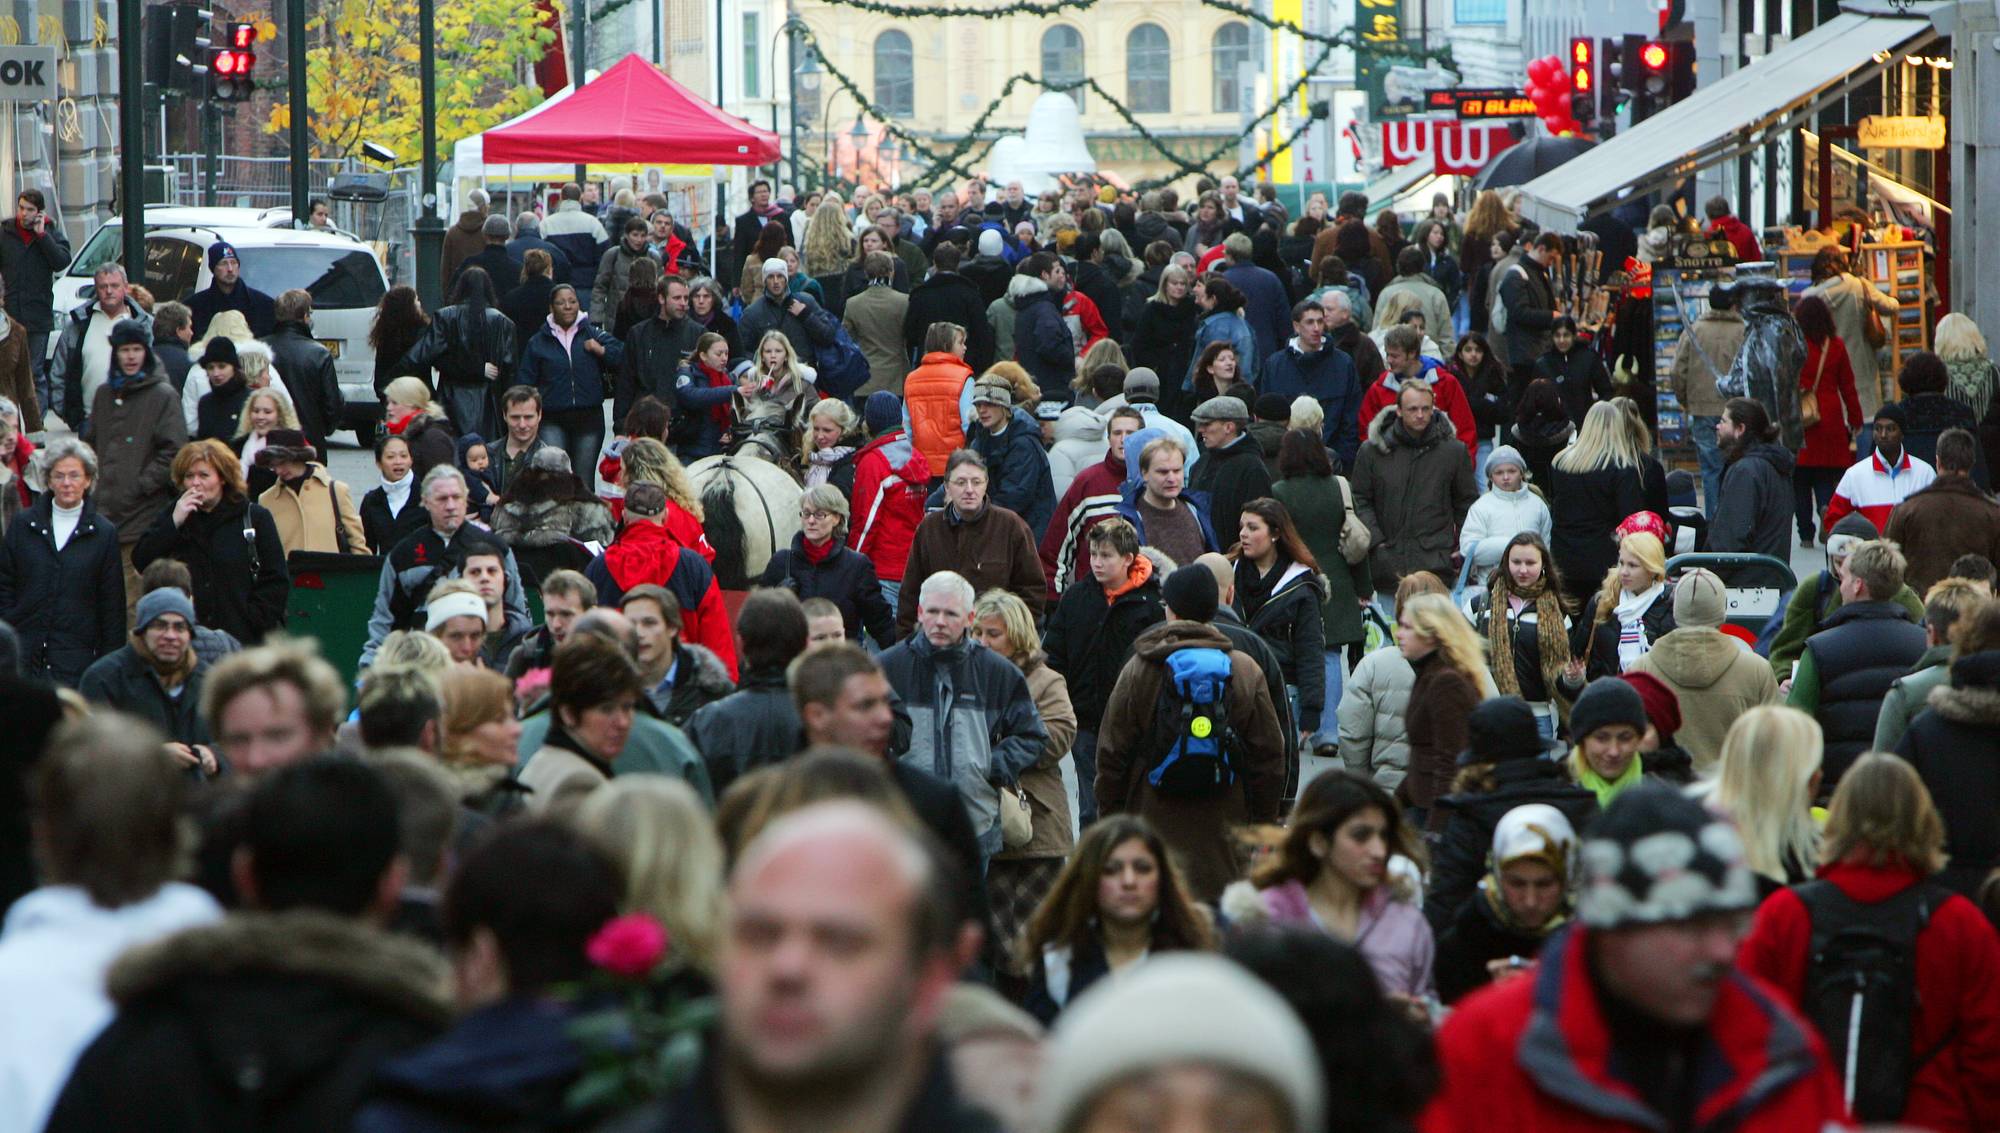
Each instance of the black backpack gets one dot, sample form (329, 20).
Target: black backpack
(1198, 752)
(1861, 990)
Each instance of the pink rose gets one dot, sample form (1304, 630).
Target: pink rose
(630, 946)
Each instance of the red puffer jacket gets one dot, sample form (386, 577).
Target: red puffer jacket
(891, 479)
(1958, 992)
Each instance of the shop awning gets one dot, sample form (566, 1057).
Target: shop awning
(1743, 111)
(631, 113)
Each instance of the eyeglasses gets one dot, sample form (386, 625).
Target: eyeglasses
(811, 516)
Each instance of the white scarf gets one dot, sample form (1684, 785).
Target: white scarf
(1632, 643)
(397, 492)
(820, 465)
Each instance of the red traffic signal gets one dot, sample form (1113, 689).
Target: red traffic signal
(1582, 59)
(242, 36)
(1653, 56)
(228, 62)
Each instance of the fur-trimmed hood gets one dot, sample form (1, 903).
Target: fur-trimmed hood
(1973, 696)
(1383, 434)
(711, 676)
(396, 974)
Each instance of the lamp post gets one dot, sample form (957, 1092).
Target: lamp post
(858, 136)
(806, 82)
(428, 231)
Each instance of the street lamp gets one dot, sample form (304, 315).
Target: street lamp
(858, 136)
(428, 231)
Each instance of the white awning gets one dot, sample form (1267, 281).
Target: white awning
(1741, 112)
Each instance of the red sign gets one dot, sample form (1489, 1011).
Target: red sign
(1450, 147)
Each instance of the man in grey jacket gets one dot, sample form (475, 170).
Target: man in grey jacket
(973, 719)
(1704, 354)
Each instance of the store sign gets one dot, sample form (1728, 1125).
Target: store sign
(27, 74)
(1885, 131)
(1482, 102)
(1450, 147)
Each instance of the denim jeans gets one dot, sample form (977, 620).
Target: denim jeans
(38, 362)
(1709, 455)
(1479, 462)
(580, 433)
(1083, 749)
(1329, 731)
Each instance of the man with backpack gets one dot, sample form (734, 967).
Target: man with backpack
(1190, 739)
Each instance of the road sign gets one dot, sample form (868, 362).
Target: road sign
(27, 74)
(1482, 102)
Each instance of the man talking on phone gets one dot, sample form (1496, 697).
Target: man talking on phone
(32, 252)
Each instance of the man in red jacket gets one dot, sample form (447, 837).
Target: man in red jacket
(1636, 1017)
(1091, 497)
(646, 552)
(891, 478)
(1742, 241)
(1402, 352)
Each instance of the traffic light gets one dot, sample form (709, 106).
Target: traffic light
(1614, 75)
(232, 66)
(1583, 80)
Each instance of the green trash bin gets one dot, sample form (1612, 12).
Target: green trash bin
(332, 597)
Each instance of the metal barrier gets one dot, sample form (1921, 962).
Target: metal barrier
(1760, 609)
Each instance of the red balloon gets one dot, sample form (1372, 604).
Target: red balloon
(1538, 70)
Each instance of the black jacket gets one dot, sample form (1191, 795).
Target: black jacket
(751, 728)
(700, 679)
(1232, 476)
(1599, 647)
(385, 530)
(123, 680)
(654, 351)
(1472, 938)
(504, 270)
(218, 411)
(309, 375)
(507, 1065)
(275, 1022)
(1097, 285)
(1042, 342)
(1752, 516)
(989, 274)
(458, 346)
(1587, 507)
(67, 606)
(1018, 467)
(29, 269)
(1163, 339)
(1245, 641)
(1088, 638)
(1579, 376)
(1458, 858)
(1955, 745)
(229, 593)
(846, 578)
(950, 297)
(700, 1107)
(527, 307)
(1290, 620)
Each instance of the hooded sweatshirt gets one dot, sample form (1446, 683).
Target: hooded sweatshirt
(1496, 518)
(1715, 679)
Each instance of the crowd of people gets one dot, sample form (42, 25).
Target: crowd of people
(1226, 675)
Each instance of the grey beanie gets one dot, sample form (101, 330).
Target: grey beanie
(165, 600)
(990, 243)
(1505, 454)
(1180, 1007)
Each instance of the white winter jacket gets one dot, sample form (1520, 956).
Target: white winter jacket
(1373, 738)
(1079, 444)
(1497, 517)
(54, 953)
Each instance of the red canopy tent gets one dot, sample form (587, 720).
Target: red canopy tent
(631, 115)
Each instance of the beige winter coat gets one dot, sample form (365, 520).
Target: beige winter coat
(306, 519)
(1716, 679)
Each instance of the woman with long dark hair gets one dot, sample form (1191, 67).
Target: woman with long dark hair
(1279, 591)
(1222, 321)
(642, 297)
(1829, 445)
(775, 234)
(1119, 900)
(1523, 615)
(1312, 496)
(399, 322)
(1351, 243)
(1440, 261)
(472, 346)
(1541, 429)
(1332, 873)
(547, 505)
(1219, 372)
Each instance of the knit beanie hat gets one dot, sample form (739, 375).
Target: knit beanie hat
(455, 605)
(1699, 600)
(776, 266)
(1663, 708)
(1604, 702)
(1656, 856)
(219, 251)
(990, 243)
(1178, 1008)
(128, 332)
(1502, 728)
(157, 603)
(1190, 592)
(882, 412)
(1505, 455)
(1853, 530)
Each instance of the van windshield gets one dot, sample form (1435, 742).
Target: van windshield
(336, 277)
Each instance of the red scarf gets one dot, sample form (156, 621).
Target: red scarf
(395, 424)
(816, 553)
(675, 246)
(720, 414)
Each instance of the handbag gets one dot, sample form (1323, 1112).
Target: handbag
(1872, 328)
(1809, 399)
(1354, 537)
(1017, 822)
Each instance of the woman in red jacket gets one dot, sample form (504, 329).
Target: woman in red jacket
(1829, 445)
(1883, 837)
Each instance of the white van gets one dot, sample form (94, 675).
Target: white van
(343, 275)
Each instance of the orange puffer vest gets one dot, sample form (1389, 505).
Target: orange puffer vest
(931, 397)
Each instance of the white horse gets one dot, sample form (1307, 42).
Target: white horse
(751, 510)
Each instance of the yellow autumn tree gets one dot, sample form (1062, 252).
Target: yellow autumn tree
(362, 80)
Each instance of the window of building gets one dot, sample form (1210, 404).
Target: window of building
(1149, 67)
(1479, 11)
(895, 74)
(1230, 49)
(753, 61)
(1062, 58)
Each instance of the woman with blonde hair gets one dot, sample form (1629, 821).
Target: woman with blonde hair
(829, 245)
(1020, 876)
(1103, 352)
(1632, 608)
(648, 461)
(1390, 315)
(1375, 700)
(414, 649)
(240, 584)
(665, 845)
(833, 441)
(1765, 782)
(1975, 381)
(1880, 857)
(776, 390)
(1451, 678)
(1593, 485)
(264, 410)
(409, 412)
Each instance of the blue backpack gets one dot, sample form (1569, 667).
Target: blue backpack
(1193, 715)
(841, 365)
